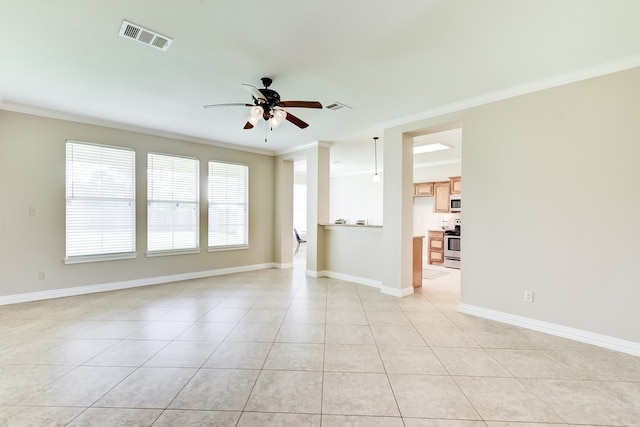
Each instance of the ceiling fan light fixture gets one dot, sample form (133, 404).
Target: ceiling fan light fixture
(257, 112)
(278, 117)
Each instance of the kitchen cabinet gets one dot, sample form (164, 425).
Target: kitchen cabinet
(456, 184)
(423, 189)
(436, 247)
(441, 192)
(417, 261)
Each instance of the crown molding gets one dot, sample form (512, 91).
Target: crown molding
(548, 83)
(59, 115)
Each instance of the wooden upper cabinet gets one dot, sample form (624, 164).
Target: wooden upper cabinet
(423, 189)
(456, 184)
(441, 191)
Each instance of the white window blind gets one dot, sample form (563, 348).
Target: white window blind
(172, 199)
(100, 200)
(228, 205)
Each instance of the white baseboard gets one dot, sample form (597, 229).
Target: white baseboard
(283, 266)
(354, 279)
(396, 292)
(580, 335)
(114, 286)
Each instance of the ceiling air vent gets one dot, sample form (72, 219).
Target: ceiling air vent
(143, 35)
(337, 106)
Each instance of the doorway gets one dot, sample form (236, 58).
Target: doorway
(300, 211)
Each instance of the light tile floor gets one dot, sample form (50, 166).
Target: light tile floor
(275, 347)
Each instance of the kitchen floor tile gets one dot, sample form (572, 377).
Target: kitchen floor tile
(505, 399)
(264, 315)
(207, 331)
(358, 394)
(387, 318)
(427, 422)
(107, 417)
(349, 334)
(360, 421)
(159, 330)
(177, 418)
(147, 388)
(410, 360)
(239, 355)
(444, 336)
(347, 317)
(217, 389)
(183, 354)
(262, 419)
(590, 402)
(80, 387)
(396, 335)
(19, 381)
(303, 316)
(128, 353)
(301, 333)
(429, 396)
(226, 315)
(287, 391)
(264, 332)
(470, 362)
(352, 358)
(277, 347)
(295, 357)
(30, 416)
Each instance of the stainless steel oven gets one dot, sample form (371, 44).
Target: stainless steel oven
(452, 249)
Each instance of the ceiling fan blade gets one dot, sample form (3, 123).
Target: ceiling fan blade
(296, 121)
(255, 92)
(235, 104)
(300, 104)
(248, 125)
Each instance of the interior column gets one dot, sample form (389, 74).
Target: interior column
(283, 232)
(318, 175)
(397, 213)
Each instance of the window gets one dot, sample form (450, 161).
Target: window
(172, 198)
(228, 205)
(100, 202)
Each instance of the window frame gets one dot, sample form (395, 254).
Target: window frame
(70, 184)
(196, 204)
(245, 204)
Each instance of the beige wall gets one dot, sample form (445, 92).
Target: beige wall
(32, 174)
(552, 205)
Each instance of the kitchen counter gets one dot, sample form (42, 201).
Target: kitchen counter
(350, 225)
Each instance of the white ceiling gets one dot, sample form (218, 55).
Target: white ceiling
(389, 61)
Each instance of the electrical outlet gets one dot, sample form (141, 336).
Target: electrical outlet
(42, 275)
(528, 296)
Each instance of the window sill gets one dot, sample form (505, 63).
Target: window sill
(173, 252)
(100, 258)
(227, 248)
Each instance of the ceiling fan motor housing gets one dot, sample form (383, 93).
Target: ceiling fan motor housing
(273, 100)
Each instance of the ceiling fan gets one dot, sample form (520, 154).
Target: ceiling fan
(268, 106)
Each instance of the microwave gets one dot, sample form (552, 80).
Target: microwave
(455, 203)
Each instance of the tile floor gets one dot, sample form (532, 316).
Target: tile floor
(275, 347)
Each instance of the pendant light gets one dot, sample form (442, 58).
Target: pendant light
(376, 177)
